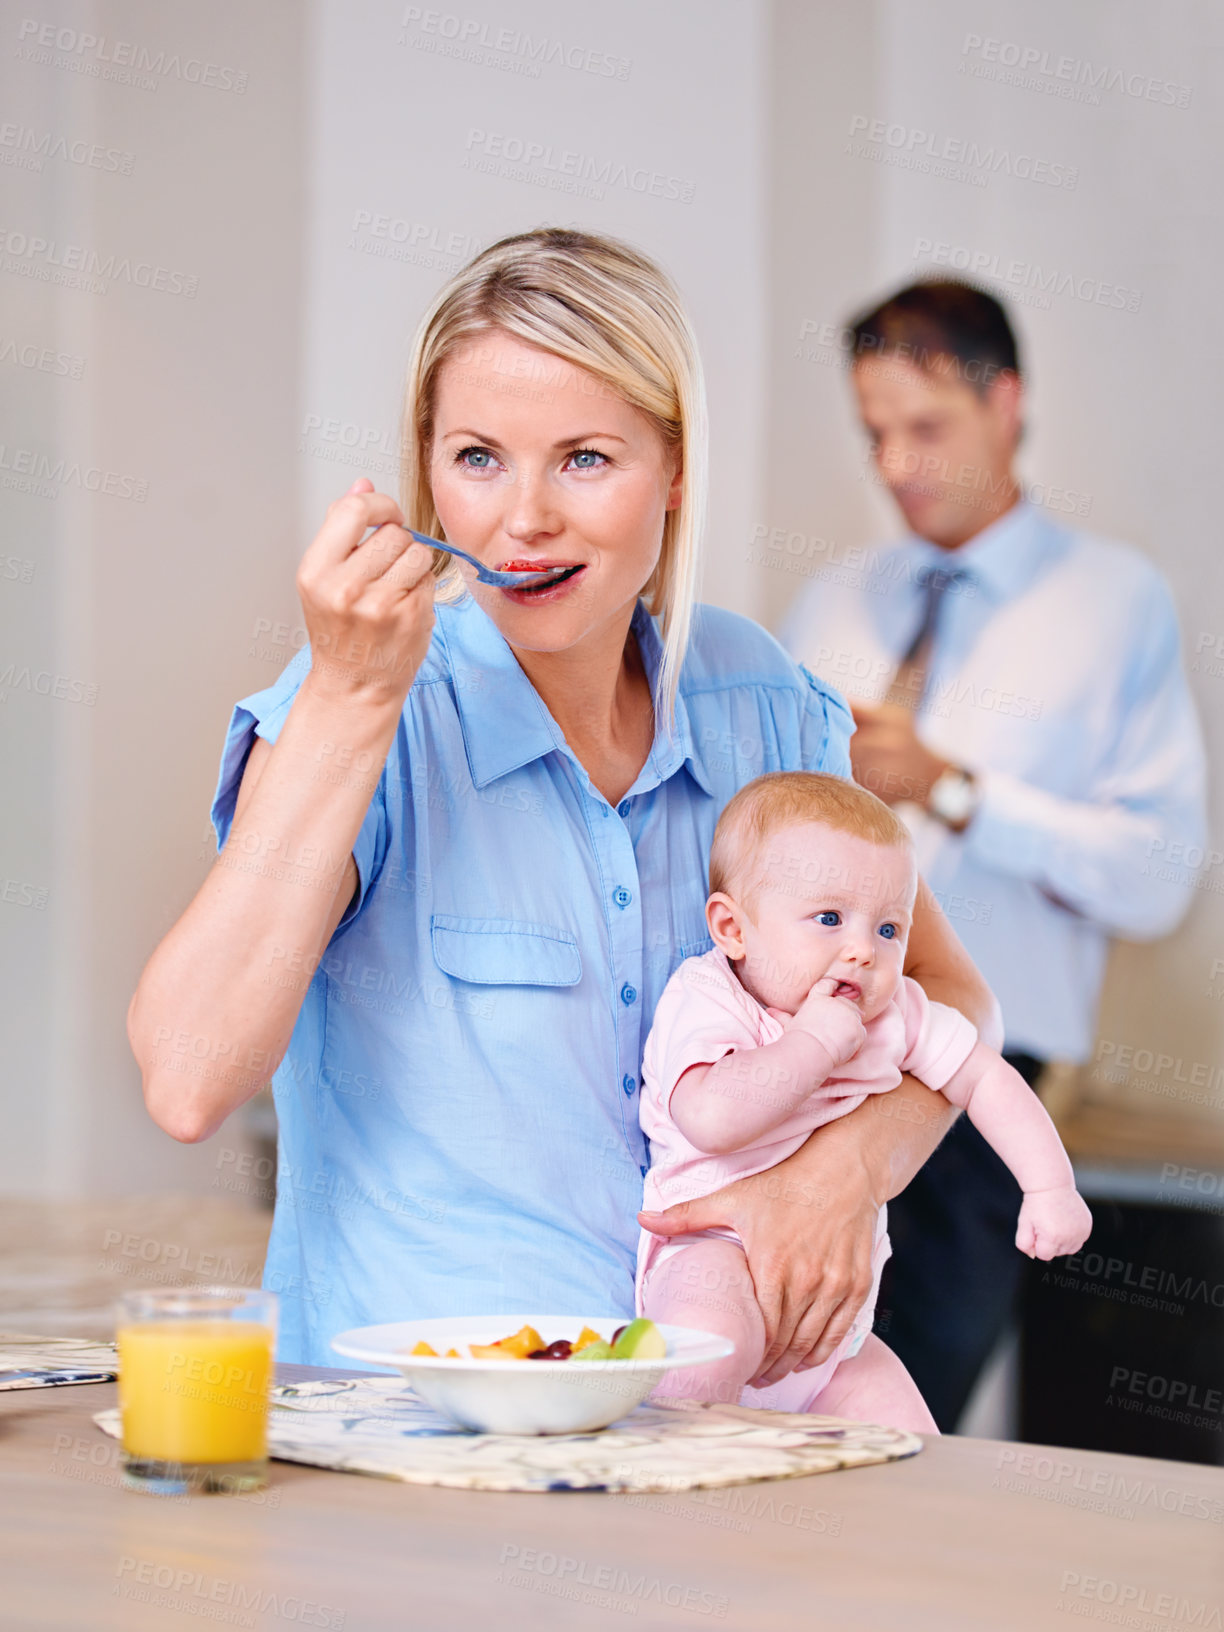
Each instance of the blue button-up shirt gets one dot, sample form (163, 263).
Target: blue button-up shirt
(1056, 676)
(458, 1104)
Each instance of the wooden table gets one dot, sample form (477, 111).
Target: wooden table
(971, 1534)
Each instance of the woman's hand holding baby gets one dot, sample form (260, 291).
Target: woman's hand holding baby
(1053, 1222)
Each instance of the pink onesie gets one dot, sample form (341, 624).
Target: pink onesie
(704, 1013)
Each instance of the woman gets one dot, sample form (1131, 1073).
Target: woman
(465, 838)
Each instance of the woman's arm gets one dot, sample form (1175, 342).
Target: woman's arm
(808, 1224)
(947, 974)
(1097, 854)
(217, 1001)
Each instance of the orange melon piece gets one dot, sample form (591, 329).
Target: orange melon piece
(524, 1342)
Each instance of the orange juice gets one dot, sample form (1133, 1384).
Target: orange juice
(195, 1390)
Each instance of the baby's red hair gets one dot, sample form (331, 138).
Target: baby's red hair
(780, 799)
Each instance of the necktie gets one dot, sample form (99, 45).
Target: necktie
(909, 682)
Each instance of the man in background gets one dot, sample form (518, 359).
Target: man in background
(1019, 695)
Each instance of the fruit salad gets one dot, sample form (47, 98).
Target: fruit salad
(639, 1340)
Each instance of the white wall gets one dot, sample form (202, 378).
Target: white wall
(228, 404)
(176, 605)
(824, 220)
(143, 605)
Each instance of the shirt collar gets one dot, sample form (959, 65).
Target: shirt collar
(1003, 558)
(667, 754)
(504, 721)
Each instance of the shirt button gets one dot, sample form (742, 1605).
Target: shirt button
(621, 896)
(628, 1083)
(628, 994)
(623, 808)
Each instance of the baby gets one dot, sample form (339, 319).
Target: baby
(798, 1013)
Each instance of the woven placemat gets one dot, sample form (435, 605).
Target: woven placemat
(378, 1425)
(50, 1362)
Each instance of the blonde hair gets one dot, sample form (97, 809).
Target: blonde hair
(781, 798)
(594, 302)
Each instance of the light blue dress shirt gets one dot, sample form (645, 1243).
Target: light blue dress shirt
(458, 1106)
(1056, 676)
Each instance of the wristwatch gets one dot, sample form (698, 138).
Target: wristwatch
(955, 795)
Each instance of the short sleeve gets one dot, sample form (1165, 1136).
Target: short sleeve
(262, 714)
(827, 728)
(938, 1038)
(697, 1021)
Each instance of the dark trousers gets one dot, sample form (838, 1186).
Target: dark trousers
(953, 1281)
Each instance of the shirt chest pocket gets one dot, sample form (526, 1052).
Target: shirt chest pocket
(504, 951)
(694, 947)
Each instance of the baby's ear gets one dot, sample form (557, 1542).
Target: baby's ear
(726, 931)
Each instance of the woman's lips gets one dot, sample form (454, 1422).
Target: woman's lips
(565, 574)
(522, 564)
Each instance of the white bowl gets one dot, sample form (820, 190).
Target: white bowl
(524, 1396)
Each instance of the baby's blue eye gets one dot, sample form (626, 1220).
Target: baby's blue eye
(830, 919)
(889, 931)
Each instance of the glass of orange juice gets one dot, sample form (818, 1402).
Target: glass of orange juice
(195, 1366)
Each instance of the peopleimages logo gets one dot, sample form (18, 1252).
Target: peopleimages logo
(1058, 1478)
(605, 1585)
(27, 147)
(31, 255)
(120, 60)
(1175, 1390)
(36, 471)
(1032, 67)
(1096, 1267)
(470, 39)
(66, 364)
(1029, 278)
(193, 1592)
(545, 164)
(962, 158)
(1128, 1600)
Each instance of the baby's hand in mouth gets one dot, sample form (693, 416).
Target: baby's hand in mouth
(839, 1026)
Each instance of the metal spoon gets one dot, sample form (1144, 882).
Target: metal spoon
(489, 575)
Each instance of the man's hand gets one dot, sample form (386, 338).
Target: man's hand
(887, 757)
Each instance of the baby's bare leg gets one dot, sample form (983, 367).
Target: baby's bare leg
(874, 1387)
(707, 1284)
